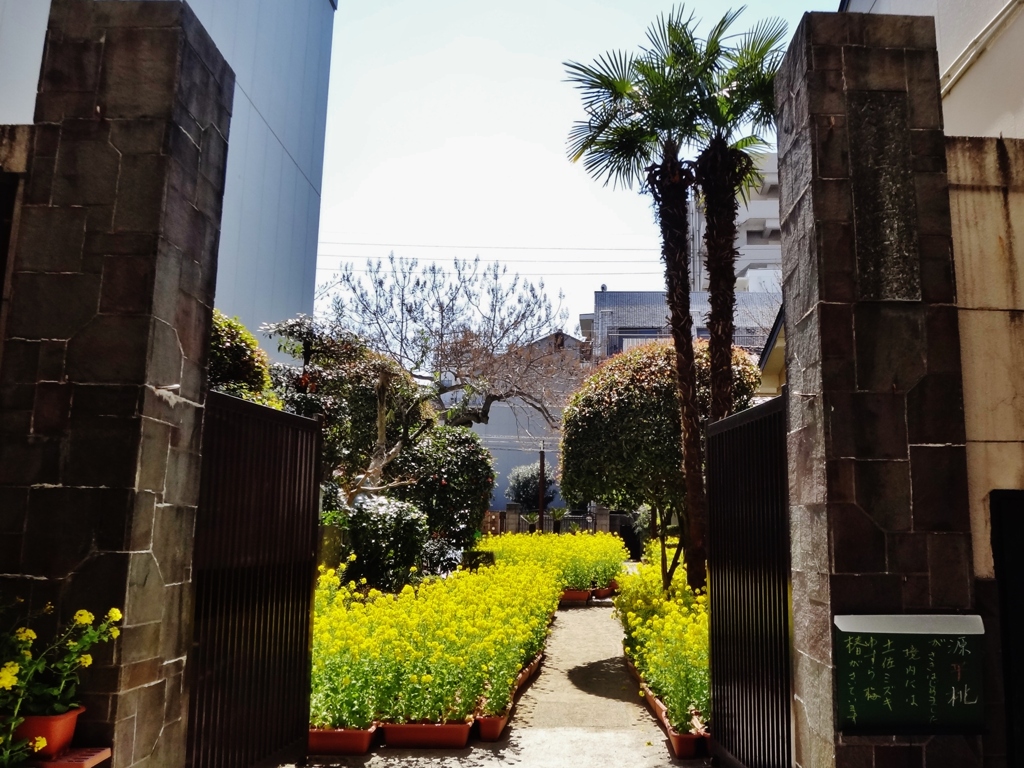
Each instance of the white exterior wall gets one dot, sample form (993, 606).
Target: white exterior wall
(513, 436)
(987, 99)
(280, 51)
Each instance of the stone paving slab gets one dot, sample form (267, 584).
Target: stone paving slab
(583, 708)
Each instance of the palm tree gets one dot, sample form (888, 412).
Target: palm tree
(737, 96)
(642, 112)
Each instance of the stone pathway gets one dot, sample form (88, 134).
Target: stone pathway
(582, 708)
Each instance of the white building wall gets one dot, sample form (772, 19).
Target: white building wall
(986, 100)
(280, 51)
(514, 436)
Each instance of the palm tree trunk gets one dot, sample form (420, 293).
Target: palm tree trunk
(720, 171)
(669, 184)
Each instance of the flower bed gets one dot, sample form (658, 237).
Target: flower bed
(583, 561)
(667, 639)
(439, 653)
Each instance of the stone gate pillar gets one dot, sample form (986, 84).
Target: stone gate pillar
(878, 475)
(103, 367)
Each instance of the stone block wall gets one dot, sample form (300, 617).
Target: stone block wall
(104, 345)
(880, 517)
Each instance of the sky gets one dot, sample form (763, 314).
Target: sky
(446, 135)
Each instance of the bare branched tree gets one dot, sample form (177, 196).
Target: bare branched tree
(475, 334)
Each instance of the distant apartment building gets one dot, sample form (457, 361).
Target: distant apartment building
(622, 320)
(280, 51)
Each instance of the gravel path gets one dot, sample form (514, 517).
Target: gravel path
(582, 708)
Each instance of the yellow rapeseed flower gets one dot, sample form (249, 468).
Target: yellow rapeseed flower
(85, 660)
(114, 614)
(37, 743)
(114, 632)
(24, 634)
(8, 676)
(83, 617)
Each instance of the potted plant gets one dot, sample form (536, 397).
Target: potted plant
(39, 683)
(557, 513)
(531, 518)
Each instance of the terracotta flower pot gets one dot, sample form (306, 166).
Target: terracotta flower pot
(685, 744)
(427, 735)
(58, 731)
(534, 666)
(526, 673)
(492, 726)
(603, 593)
(575, 595)
(341, 741)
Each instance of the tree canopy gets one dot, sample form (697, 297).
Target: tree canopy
(371, 407)
(475, 334)
(621, 431)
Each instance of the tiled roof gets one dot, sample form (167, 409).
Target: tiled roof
(648, 309)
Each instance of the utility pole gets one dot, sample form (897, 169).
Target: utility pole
(540, 492)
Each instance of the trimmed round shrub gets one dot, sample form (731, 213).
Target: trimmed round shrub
(237, 364)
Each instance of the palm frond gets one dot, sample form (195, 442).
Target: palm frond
(670, 32)
(622, 155)
(761, 44)
(608, 80)
(717, 36)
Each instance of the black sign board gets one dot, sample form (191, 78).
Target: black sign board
(909, 674)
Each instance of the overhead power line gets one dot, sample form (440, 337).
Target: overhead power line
(488, 247)
(631, 272)
(504, 261)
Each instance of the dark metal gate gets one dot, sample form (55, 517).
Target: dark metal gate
(749, 572)
(1007, 510)
(255, 555)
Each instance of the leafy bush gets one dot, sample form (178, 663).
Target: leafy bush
(387, 537)
(437, 653)
(337, 377)
(667, 637)
(582, 561)
(237, 364)
(524, 486)
(454, 480)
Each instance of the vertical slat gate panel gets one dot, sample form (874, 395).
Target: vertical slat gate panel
(749, 572)
(255, 555)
